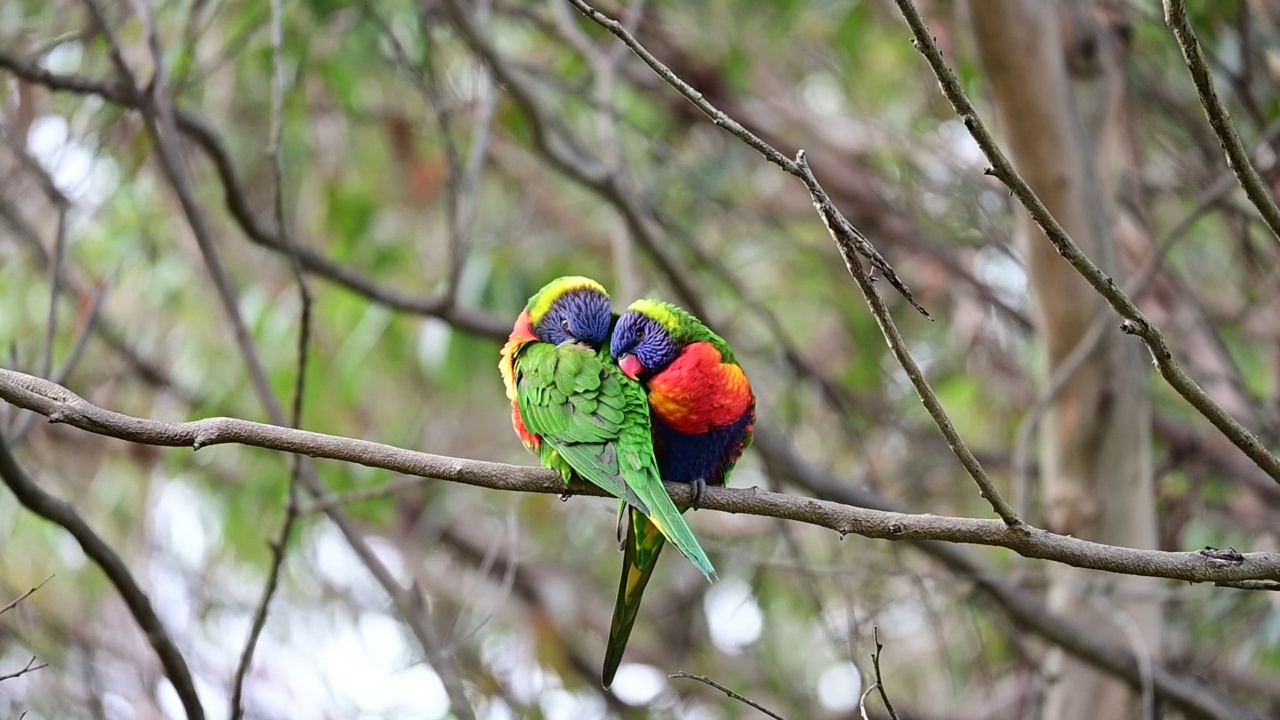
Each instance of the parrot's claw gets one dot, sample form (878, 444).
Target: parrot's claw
(699, 488)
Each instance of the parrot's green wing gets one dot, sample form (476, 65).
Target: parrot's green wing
(568, 397)
(641, 548)
(595, 419)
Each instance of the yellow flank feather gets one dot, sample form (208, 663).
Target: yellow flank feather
(658, 311)
(541, 303)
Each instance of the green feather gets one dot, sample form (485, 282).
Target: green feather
(641, 548)
(596, 420)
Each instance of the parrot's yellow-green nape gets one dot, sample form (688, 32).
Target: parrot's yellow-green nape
(661, 312)
(540, 303)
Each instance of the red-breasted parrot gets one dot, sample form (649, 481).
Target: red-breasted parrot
(572, 405)
(702, 412)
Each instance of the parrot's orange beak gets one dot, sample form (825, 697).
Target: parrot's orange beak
(630, 366)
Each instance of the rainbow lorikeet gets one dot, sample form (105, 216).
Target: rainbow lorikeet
(702, 410)
(572, 405)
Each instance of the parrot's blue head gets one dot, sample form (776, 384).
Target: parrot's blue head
(642, 343)
(571, 309)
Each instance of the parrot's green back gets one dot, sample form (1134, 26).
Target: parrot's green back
(593, 420)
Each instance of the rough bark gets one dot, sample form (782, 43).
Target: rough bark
(1054, 74)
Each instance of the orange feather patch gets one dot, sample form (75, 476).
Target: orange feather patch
(522, 333)
(698, 392)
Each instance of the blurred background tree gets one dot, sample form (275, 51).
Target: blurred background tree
(442, 159)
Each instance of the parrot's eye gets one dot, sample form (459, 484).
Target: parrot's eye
(640, 332)
(564, 323)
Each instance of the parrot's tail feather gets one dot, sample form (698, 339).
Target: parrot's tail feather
(642, 546)
(668, 519)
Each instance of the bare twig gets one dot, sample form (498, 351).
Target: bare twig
(1175, 15)
(862, 245)
(157, 111)
(31, 666)
(862, 701)
(849, 241)
(362, 495)
(1135, 322)
(841, 229)
(463, 181)
(61, 405)
(14, 603)
(1021, 608)
(236, 198)
(63, 514)
(708, 681)
(73, 358)
(279, 547)
(875, 664)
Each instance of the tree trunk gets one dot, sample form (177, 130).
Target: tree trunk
(1054, 71)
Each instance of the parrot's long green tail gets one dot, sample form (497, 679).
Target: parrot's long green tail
(641, 548)
(670, 522)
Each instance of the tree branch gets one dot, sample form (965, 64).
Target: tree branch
(31, 591)
(744, 700)
(843, 233)
(202, 132)
(63, 514)
(1022, 608)
(31, 666)
(61, 405)
(1135, 322)
(848, 240)
(279, 548)
(1175, 15)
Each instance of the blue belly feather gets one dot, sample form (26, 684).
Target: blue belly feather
(686, 458)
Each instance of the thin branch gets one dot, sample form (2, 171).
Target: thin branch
(862, 701)
(279, 547)
(157, 110)
(236, 199)
(849, 241)
(1021, 607)
(875, 663)
(392, 487)
(54, 269)
(1135, 322)
(147, 370)
(1175, 15)
(863, 246)
(842, 233)
(30, 667)
(64, 514)
(708, 681)
(13, 604)
(61, 405)
(73, 358)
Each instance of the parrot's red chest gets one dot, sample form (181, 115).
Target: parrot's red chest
(698, 392)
